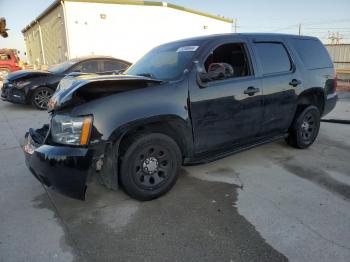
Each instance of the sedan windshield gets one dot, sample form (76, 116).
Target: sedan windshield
(60, 68)
(166, 62)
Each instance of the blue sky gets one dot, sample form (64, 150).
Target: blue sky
(316, 17)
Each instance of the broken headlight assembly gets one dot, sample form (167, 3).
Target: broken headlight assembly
(21, 84)
(71, 130)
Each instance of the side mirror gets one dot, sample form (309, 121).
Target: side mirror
(204, 77)
(216, 71)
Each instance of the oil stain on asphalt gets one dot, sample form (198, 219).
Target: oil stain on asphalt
(66, 242)
(321, 178)
(196, 221)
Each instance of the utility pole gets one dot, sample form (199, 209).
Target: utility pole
(235, 28)
(335, 37)
(299, 29)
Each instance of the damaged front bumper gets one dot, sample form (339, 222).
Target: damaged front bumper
(65, 169)
(13, 95)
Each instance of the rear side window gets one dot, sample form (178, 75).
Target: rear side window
(313, 54)
(274, 58)
(110, 65)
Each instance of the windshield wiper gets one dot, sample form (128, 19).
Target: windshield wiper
(150, 75)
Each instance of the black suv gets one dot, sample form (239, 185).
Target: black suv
(186, 102)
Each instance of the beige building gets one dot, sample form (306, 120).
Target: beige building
(125, 29)
(45, 37)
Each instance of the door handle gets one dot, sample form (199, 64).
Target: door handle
(250, 91)
(295, 82)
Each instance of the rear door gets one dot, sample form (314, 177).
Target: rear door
(280, 82)
(228, 111)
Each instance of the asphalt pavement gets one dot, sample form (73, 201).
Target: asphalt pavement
(271, 203)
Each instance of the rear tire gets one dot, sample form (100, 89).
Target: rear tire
(150, 164)
(305, 128)
(41, 97)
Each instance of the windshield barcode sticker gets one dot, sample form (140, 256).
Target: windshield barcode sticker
(192, 48)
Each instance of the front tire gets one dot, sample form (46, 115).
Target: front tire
(150, 165)
(41, 97)
(305, 128)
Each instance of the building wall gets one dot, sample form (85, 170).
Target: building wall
(46, 40)
(33, 46)
(128, 31)
(54, 37)
(340, 55)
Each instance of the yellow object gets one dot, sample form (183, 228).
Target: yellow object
(84, 138)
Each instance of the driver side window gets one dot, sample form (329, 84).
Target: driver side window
(86, 67)
(227, 61)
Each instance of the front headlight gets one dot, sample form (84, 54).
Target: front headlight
(70, 130)
(21, 84)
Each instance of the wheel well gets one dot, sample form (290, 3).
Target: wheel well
(169, 128)
(311, 97)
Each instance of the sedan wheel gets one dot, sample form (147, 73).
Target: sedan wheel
(41, 97)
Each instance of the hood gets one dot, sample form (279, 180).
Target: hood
(84, 88)
(24, 74)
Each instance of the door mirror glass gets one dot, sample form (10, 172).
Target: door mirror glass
(204, 77)
(216, 71)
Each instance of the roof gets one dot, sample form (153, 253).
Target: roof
(266, 35)
(337, 44)
(127, 2)
(88, 57)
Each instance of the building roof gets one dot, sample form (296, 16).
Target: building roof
(127, 2)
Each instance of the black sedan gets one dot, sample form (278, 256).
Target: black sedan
(36, 87)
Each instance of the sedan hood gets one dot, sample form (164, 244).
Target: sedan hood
(24, 74)
(84, 88)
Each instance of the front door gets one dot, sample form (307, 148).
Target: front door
(226, 111)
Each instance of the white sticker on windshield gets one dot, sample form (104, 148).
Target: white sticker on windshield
(191, 48)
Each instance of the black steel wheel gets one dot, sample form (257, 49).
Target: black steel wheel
(41, 97)
(149, 165)
(305, 127)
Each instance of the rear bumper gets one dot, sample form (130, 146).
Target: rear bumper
(65, 169)
(330, 103)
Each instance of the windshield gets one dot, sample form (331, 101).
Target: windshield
(166, 62)
(60, 68)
